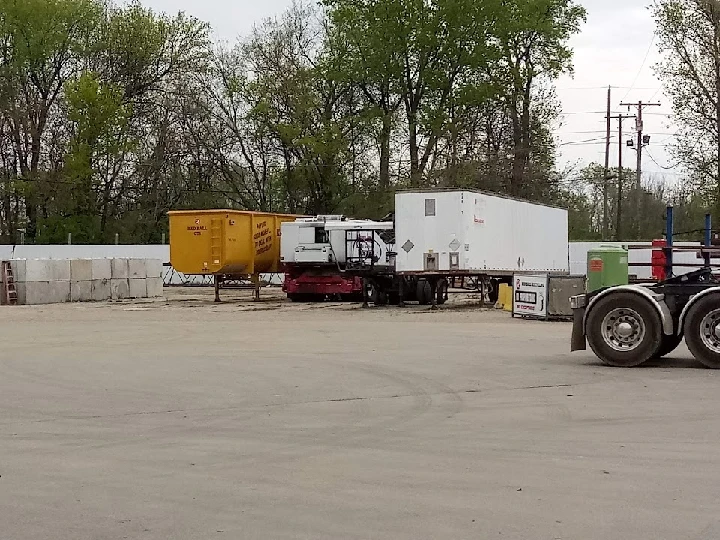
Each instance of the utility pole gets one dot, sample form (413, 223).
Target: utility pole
(606, 224)
(618, 226)
(638, 171)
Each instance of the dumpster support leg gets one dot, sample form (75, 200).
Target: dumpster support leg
(217, 287)
(256, 285)
(401, 292)
(365, 293)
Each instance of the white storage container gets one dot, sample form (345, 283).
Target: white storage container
(467, 232)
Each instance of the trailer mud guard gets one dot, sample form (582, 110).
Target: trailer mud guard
(690, 304)
(577, 340)
(657, 300)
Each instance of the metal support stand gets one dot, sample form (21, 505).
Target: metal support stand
(433, 294)
(365, 293)
(256, 286)
(401, 292)
(217, 288)
(708, 238)
(669, 233)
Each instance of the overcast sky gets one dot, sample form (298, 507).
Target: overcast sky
(616, 47)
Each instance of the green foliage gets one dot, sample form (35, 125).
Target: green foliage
(110, 115)
(689, 36)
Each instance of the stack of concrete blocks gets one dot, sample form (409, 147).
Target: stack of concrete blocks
(52, 281)
(136, 278)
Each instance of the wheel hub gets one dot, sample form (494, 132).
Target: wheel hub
(710, 331)
(623, 329)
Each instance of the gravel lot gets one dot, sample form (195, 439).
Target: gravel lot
(182, 419)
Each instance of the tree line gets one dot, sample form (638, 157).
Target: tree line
(111, 115)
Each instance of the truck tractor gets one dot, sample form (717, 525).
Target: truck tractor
(331, 256)
(628, 325)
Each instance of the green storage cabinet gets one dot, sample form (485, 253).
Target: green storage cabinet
(607, 266)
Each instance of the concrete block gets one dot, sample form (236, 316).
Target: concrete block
(81, 269)
(21, 293)
(136, 269)
(37, 270)
(119, 288)
(154, 268)
(138, 288)
(46, 292)
(59, 270)
(101, 290)
(102, 269)
(154, 287)
(81, 291)
(120, 268)
(19, 270)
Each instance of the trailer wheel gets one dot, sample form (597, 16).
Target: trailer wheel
(668, 344)
(442, 292)
(424, 292)
(494, 290)
(378, 296)
(624, 330)
(702, 331)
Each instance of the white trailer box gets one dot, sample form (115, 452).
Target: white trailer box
(325, 240)
(468, 232)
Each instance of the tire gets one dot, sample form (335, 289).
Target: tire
(424, 292)
(378, 296)
(668, 344)
(442, 292)
(494, 292)
(701, 330)
(624, 330)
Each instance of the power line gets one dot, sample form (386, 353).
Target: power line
(582, 132)
(642, 66)
(656, 93)
(571, 88)
(662, 166)
(599, 141)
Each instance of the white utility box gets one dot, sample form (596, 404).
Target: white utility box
(468, 232)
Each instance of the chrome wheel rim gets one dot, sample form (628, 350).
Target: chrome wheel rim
(710, 331)
(623, 329)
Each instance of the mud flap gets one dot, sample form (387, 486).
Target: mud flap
(578, 341)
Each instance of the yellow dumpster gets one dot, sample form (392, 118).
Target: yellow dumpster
(225, 243)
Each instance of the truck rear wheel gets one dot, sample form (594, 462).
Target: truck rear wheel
(442, 292)
(702, 330)
(424, 292)
(624, 330)
(378, 296)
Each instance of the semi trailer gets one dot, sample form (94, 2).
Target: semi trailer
(442, 234)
